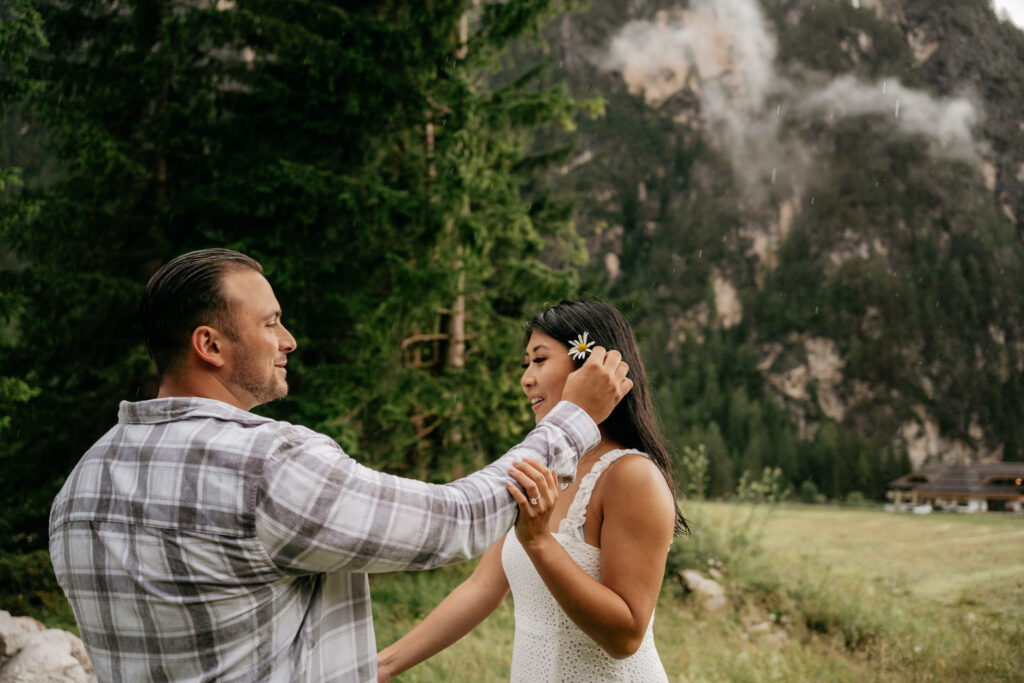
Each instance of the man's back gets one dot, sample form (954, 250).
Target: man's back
(154, 540)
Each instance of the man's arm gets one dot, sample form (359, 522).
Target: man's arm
(320, 510)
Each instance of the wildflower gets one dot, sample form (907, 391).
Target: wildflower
(580, 347)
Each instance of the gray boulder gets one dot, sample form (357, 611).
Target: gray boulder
(710, 594)
(32, 653)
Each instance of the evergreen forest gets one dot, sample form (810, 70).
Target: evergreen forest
(810, 210)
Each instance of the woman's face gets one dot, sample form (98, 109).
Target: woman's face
(547, 366)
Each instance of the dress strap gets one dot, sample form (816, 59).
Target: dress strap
(572, 525)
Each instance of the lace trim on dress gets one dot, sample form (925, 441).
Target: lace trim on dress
(572, 525)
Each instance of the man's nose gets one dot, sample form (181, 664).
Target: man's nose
(286, 342)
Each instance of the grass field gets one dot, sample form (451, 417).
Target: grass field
(817, 593)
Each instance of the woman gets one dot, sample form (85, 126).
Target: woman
(584, 565)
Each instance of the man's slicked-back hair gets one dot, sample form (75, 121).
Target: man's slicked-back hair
(183, 294)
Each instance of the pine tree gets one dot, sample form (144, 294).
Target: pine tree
(367, 154)
(723, 478)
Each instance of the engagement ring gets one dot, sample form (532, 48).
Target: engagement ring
(533, 501)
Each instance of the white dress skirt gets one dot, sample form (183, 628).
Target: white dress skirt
(548, 646)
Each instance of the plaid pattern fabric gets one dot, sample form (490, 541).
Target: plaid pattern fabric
(196, 541)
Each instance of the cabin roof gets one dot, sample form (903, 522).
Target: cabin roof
(995, 478)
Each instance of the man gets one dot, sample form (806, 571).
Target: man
(198, 541)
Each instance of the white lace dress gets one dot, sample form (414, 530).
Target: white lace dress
(548, 646)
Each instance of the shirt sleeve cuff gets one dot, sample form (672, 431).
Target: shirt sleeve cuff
(580, 430)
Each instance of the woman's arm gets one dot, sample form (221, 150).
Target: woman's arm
(465, 607)
(638, 518)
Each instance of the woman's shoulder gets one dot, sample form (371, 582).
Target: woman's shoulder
(635, 494)
(629, 462)
(633, 475)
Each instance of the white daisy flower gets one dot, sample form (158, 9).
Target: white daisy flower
(580, 347)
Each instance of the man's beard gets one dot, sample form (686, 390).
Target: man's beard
(262, 388)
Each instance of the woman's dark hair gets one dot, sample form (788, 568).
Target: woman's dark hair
(633, 423)
(183, 294)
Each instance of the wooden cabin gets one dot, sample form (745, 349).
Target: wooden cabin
(966, 487)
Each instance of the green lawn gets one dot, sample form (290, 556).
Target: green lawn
(817, 593)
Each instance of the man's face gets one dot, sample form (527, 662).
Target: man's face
(258, 354)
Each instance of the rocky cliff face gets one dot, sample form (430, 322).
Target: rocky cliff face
(965, 46)
(841, 185)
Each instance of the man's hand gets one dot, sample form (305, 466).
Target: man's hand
(383, 671)
(599, 385)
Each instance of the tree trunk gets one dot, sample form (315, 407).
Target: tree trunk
(457, 324)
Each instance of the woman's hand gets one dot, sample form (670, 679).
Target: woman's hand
(536, 505)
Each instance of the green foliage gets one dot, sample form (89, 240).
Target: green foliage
(837, 37)
(12, 391)
(387, 175)
(808, 493)
(828, 613)
(693, 471)
(29, 588)
(897, 254)
(372, 166)
(766, 489)
(20, 35)
(855, 498)
(728, 546)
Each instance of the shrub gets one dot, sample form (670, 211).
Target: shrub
(808, 493)
(831, 613)
(28, 587)
(768, 489)
(693, 471)
(855, 498)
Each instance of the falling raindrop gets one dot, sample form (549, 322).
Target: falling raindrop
(812, 200)
(897, 108)
(778, 109)
(884, 85)
(773, 176)
(700, 253)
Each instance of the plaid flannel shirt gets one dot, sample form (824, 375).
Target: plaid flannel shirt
(197, 541)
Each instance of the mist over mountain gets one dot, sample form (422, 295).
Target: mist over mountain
(814, 211)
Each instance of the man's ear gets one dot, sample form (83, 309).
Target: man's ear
(208, 345)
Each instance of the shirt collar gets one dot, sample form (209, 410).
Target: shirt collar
(174, 408)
